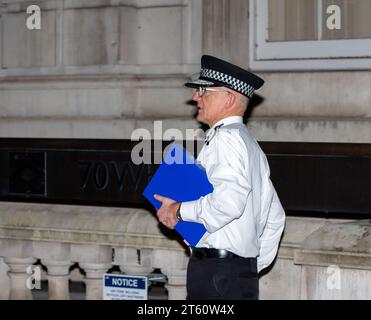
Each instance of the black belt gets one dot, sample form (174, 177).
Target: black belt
(203, 253)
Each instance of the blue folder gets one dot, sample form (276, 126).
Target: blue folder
(181, 178)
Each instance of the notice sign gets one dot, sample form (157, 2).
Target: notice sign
(124, 287)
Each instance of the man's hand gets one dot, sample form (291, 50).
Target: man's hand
(167, 213)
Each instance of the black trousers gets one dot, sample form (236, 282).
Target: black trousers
(222, 279)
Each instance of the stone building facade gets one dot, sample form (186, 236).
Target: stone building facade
(102, 68)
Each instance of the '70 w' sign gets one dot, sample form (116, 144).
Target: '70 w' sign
(100, 174)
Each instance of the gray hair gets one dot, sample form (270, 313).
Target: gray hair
(242, 101)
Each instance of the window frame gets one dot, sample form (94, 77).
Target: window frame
(345, 54)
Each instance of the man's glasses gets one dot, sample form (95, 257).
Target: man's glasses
(202, 90)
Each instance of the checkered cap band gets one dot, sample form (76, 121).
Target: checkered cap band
(234, 83)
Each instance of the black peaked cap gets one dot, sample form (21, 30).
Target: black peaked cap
(216, 72)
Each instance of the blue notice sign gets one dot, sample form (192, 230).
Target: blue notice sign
(124, 287)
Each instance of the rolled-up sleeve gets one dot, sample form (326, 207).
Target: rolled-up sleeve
(227, 173)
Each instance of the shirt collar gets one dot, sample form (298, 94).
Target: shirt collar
(227, 121)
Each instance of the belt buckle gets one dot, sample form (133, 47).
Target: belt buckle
(223, 253)
(199, 254)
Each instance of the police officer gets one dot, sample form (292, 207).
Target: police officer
(243, 216)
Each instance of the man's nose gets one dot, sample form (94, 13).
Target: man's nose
(196, 96)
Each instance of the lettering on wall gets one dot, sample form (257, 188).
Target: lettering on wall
(104, 174)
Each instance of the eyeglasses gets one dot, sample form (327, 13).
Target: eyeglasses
(202, 90)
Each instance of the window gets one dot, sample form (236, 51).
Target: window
(296, 35)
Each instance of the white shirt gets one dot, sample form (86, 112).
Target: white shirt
(243, 213)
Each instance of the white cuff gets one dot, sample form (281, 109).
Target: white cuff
(188, 211)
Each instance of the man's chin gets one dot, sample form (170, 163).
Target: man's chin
(200, 118)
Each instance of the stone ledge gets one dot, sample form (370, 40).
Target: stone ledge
(311, 129)
(327, 258)
(87, 128)
(351, 237)
(297, 229)
(124, 227)
(347, 245)
(20, 5)
(105, 72)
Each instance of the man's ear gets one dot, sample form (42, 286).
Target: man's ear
(231, 99)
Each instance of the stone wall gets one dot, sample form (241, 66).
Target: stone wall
(298, 106)
(320, 259)
(97, 69)
(96, 238)
(317, 258)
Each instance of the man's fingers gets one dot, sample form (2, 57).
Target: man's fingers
(163, 199)
(159, 198)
